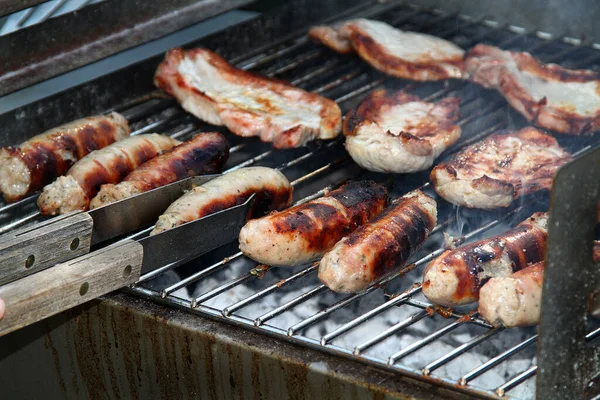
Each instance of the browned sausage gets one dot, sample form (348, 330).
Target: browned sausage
(381, 246)
(271, 188)
(109, 165)
(455, 277)
(26, 168)
(516, 300)
(305, 232)
(203, 154)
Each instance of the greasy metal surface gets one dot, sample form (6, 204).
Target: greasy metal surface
(560, 17)
(94, 32)
(566, 362)
(124, 347)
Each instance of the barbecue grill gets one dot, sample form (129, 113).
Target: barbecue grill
(222, 326)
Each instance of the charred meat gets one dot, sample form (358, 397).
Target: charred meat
(111, 164)
(247, 104)
(398, 132)
(203, 154)
(548, 95)
(305, 232)
(456, 276)
(25, 169)
(381, 246)
(501, 168)
(408, 55)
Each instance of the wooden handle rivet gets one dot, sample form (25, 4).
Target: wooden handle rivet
(74, 244)
(84, 288)
(127, 271)
(29, 261)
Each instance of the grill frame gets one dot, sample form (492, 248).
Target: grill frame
(393, 301)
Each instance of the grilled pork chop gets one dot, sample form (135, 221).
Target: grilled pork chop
(330, 36)
(552, 97)
(497, 170)
(247, 104)
(409, 55)
(398, 132)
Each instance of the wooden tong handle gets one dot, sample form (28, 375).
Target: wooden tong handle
(32, 249)
(66, 285)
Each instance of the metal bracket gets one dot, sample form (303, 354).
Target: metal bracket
(566, 363)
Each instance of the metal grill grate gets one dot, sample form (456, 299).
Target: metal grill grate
(389, 325)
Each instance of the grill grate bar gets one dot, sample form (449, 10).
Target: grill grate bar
(389, 332)
(319, 71)
(396, 300)
(427, 340)
(460, 350)
(483, 368)
(516, 381)
(157, 124)
(457, 28)
(290, 304)
(268, 290)
(251, 161)
(199, 275)
(184, 132)
(257, 271)
(318, 171)
(453, 314)
(144, 106)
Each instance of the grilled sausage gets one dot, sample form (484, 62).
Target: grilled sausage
(516, 299)
(204, 154)
(26, 168)
(455, 277)
(305, 232)
(273, 192)
(109, 165)
(381, 246)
